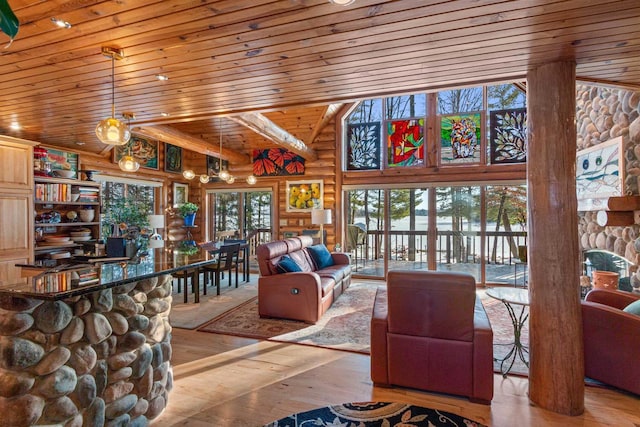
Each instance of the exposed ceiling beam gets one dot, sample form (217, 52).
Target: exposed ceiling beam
(329, 114)
(173, 136)
(265, 127)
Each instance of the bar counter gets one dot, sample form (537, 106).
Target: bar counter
(90, 345)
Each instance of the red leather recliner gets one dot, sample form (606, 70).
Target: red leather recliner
(611, 339)
(430, 331)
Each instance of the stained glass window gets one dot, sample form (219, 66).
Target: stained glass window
(508, 136)
(405, 142)
(363, 146)
(460, 137)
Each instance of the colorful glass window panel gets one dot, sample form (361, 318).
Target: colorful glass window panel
(363, 146)
(508, 143)
(277, 162)
(405, 142)
(460, 138)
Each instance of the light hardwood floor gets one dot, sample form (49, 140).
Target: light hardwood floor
(229, 381)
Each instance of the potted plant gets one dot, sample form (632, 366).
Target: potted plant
(188, 212)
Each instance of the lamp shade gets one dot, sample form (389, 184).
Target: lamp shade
(156, 221)
(321, 216)
(112, 131)
(128, 164)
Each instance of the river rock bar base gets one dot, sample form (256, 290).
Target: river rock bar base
(103, 358)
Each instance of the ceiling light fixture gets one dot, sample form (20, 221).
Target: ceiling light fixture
(128, 163)
(15, 126)
(223, 174)
(162, 77)
(111, 130)
(342, 2)
(60, 23)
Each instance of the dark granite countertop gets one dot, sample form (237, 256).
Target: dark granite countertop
(83, 278)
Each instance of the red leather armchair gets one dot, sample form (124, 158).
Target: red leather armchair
(611, 339)
(430, 331)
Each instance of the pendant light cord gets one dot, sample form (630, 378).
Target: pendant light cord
(113, 87)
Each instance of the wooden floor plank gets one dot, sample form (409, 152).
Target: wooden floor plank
(221, 380)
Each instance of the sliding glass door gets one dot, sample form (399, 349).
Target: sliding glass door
(476, 229)
(238, 213)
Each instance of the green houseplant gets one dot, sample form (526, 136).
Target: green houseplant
(188, 212)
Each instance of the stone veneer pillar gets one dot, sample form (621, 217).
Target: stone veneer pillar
(103, 358)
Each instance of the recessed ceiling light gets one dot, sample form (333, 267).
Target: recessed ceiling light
(342, 2)
(60, 23)
(79, 143)
(15, 126)
(164, 114)
(162, 77)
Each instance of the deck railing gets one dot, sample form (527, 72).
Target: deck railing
(501, 247)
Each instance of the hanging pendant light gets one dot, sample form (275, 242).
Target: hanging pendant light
(128, 163)
(251, 180)
(188, 174)
(204, 179)
(111, 130)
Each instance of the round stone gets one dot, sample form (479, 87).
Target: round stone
(18, 353)
(118, 322)
(12, 323)
(53, 361)
(85, 391)
(52, 316)
(73, 332)
(83, 358)
(59, 410)
(15, 383)
(59, 383)
(97, 327)
(21, 411)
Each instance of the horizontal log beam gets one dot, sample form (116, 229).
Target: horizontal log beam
(189, 142)
(265, 127)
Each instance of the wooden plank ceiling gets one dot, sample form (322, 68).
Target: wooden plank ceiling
(287, 59)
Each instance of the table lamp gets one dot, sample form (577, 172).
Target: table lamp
(321, 217)
(155, 222)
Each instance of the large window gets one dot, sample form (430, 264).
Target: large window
(478, 125)
(126, 203)
(476, 229)
(239, 213)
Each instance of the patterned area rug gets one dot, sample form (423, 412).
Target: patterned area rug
(345, 326)
(369, 414)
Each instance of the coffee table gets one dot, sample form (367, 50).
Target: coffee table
(511, 297)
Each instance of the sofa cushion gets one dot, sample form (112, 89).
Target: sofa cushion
(633, 308)
(321, 256)
(303, 260)
(287, 265)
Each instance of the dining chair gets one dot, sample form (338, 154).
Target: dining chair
(242, 258)
(227, 255)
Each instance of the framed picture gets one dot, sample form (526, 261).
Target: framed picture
(62, 160)
(461, 139)
(599, 174)
(180, 194)
(277, 162)
(172, 158)
(304, 196)
(144, 150)
(214, 166)
(288, 234)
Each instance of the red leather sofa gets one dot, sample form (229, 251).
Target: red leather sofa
(305, 295)
(611, 339)
(430, 331)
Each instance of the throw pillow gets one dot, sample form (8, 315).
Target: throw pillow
(287, 265)
(633, 308)
(321, 256)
